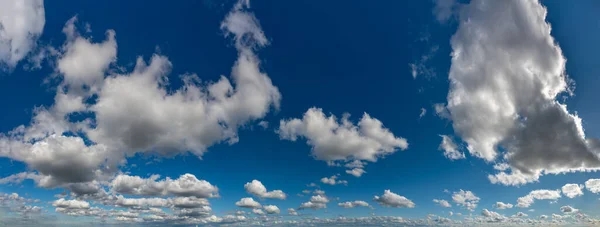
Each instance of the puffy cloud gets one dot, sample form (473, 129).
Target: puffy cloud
(316, 202)
(466, 199)
(450, 148)
(333, 180)
(312, 205)
(271, 209)
(188, 202)
(258, 211)
(442, 203)
(258, 189)
(292, 211)
(506, 74)
(21, 24)
(84, 62)
(71, 204)
(572, 190)
(334, 140)
(186, 185)
(593, 185)
(319, 192)
(568, 209)
(141, 202)
(55, 157)
(520, 214)
(352, 204)
(502, 206)
(542, 194)
(390, 199)
(356, 172)
(119, 123)
(248, 202)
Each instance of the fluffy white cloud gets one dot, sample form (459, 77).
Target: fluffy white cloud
(506, 74)
(119, 123)
(292, 211)
(442, 203)
(258, 211)
(316, 202)
(333, 180)
(502, 206)
(55, 157)
(352, 204)
(466, 199)
(450, 148)
(542, 194)
(356, 172)
(271, 209)
(593, 185)
(248, 202)
(334, 140)
(572, 190)
(21, 24)
(390, 199)
(568, 209)
(71, 204)
(186, 185)
(258, 189)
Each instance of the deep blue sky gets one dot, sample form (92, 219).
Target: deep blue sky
(341, 56)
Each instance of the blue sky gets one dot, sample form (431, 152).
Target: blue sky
(241, 91)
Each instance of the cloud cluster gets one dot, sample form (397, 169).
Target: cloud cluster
(186, 185)
(442, 203)
(466, 199)
(316, 202)
(333, 180)
(506, 74)
(118, 123)
(572, 190)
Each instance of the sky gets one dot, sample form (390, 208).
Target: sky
(311, 113)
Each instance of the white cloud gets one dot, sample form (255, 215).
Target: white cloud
(542, 194)
(248, 202)
(154, 119)
(21, 24)
(71, 204)
(271, 209)
(390, 199)
(333, 180)
(466, 199)
(593, 185)
(568, 209)
(511, 105)
(258, 211)
(292, 211)
(572, 190)
(186, 185)
(451, 150)
(502, 206)
(423, 112)
(356, 172)
(316, 202)
(442, 203)
(258, 189)
(352, 204)
(334, 140)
